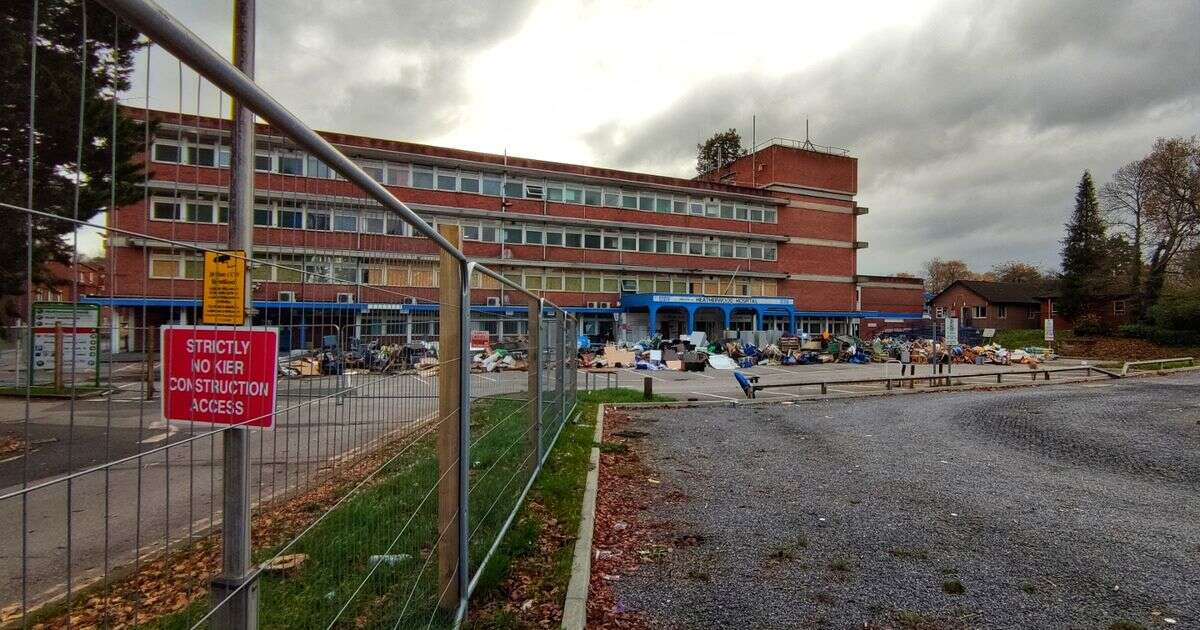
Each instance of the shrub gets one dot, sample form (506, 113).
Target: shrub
(1162, 336)
(1178, 311)
(1089, 325)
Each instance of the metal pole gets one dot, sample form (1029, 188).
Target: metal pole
(561, 316)
(464, 438)
(235, 591)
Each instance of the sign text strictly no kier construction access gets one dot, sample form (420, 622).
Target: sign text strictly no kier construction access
(220, 375)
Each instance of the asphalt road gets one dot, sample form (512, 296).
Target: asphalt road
(1065, 506)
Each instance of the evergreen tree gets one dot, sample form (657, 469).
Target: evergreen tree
(1085, 270)
(109, 61)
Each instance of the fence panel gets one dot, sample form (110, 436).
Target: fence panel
(119, 511)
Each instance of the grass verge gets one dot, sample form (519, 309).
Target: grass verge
(1021, 337)
(526, 582)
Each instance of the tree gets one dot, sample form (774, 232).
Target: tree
(109, 63)
(1017, 271)
(722, 148)
(940, 274)
(1172, 215)
(1125, 204)
(1084, 261)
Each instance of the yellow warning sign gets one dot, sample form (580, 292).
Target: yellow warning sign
(224, 288)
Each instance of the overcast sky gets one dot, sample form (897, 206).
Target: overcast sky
(972, 121)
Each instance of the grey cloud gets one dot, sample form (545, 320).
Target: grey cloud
(971, 129)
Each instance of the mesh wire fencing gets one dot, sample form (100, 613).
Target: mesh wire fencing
(375, 498)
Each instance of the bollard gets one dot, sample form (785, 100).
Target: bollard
(647, 388)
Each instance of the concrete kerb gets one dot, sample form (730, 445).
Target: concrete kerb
(575, 606)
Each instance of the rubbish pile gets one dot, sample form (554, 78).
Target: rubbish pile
(695, 353)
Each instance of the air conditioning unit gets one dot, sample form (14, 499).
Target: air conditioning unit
(410, 300)
(605, 305)
(287, 296)
(493, 301)
(345, 298)
(591, 305)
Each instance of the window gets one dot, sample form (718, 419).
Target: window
(447, 180)
(741, 251)
(712, 210)
(263, 216)
(678, 246)
(1033, 313)
(317, 168)
(645, 244)
(756, 252)
(981, 312)
(573, 195)
(769, 252)
(345, 223)
(202, 156)
(741, 213)
(574, 239)
(396, 227)
(726, 211)
(374, 172)
(662, 246)
(756, 214)
(470, 232)
(646, 203)
(262, 162)
(291, 165)
(591, 241)
(611, 284)
(166, 210)
(591, 197)
(512, 235)
(611, 241)
(629, 242)
(533, 237)
(629, 200)
(645, 285)
(1119, 307)
(612, 198)
(468, 182)
(554, 238)
(532, 282)
(1001, 312)
(397, 174)
(534, 191)
(726, 250)
(572, 283)
(679, 285)
(291, 219)
(679, 207)
(769, 216)
(317, 221)
(662, 204)
(166, 153)
(372, 224)
(592, 284)
(199, 212)
(695, 247)
(514, 188)
(492, 186)
(554, 192)
(422, 178)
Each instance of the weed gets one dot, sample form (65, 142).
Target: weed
(1029, 587)
(840, 565)
(909, 554)
(953, 587)
(1125, 624)
(698, 575)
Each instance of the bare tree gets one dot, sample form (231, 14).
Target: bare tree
(940, 273)
(1172, 208)
(1124, 199)
(1017, 271)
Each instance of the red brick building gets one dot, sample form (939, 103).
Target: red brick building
(980, 304)
(1112, 311)
(775, 237)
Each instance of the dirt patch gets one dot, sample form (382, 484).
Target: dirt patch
(624, 538)
(1120, 349)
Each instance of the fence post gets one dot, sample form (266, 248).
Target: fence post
(534, 361)
(235, 591)
(58, 358)
(451, 312)
(561, 365)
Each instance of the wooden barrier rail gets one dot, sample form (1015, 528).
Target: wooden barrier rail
(936, 380)
(1191, 361)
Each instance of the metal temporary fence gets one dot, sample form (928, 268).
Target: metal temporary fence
(398, 458)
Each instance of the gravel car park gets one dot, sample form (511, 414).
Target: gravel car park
(1064, 506)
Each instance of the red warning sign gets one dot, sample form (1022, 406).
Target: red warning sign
(220, 375)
